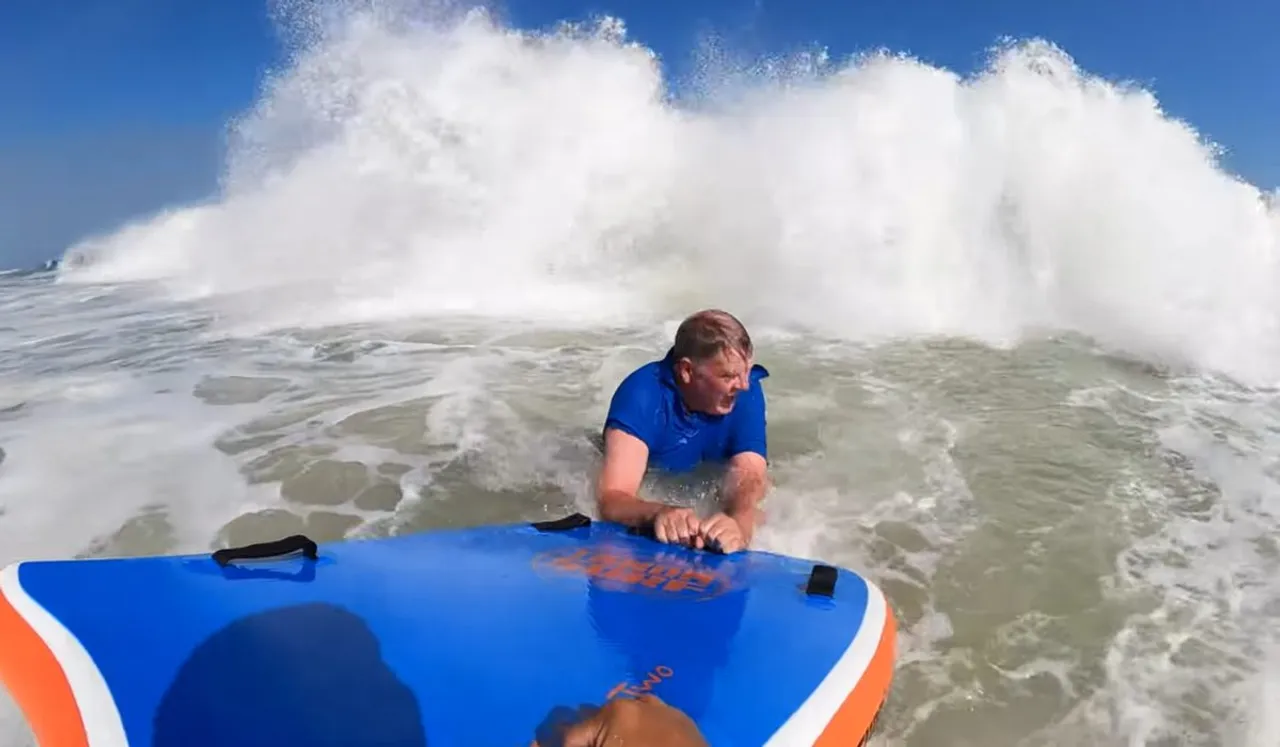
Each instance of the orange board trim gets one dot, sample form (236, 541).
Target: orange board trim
(852, 722)
(38, 683)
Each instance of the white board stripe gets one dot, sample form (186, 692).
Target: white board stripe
(806, 724)
(101, 717)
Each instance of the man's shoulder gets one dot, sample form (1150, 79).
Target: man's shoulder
(638, 402)
(751, 403)
(756, 389)
(640, 389)
(644, 380)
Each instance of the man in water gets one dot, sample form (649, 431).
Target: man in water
(703, 402)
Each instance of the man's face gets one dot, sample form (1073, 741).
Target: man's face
(712, 386)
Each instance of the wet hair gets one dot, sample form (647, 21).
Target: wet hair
(705, 334)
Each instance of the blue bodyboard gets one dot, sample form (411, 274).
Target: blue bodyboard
(480, 636)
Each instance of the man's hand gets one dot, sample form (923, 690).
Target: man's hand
(643, 722)
(723, 533)
(675, 525)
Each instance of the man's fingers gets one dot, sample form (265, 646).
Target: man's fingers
(660, 529)
(717, 527)
(724, 533)
(690, 529)
(678, 531)
(676, 526)
(682, 526)
(671, 527)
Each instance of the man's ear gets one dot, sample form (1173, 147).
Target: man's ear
(684, 371)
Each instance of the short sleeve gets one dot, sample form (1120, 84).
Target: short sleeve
(749, 422)
(634, 408)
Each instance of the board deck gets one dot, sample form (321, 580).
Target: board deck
(478, 636)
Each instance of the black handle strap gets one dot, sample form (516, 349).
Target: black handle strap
(822, 581)
(564, 524)
(286, 546)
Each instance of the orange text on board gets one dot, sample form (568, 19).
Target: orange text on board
(651, 678)
(670, 576)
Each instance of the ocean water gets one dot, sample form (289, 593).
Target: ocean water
(1024, 335)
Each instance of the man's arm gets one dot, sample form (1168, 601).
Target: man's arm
(625, 459)
(745, 484)
(747, 478)
(630, 426)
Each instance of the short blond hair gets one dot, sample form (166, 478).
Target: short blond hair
(707, 333)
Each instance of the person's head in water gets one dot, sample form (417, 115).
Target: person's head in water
(711, 358)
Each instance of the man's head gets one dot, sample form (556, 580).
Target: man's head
(712, 357)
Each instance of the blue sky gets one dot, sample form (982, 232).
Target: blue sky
(114, 108)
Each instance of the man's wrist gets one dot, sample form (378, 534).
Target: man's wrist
(631, 510)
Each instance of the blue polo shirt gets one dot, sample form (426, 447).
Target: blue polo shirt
(647, 405)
